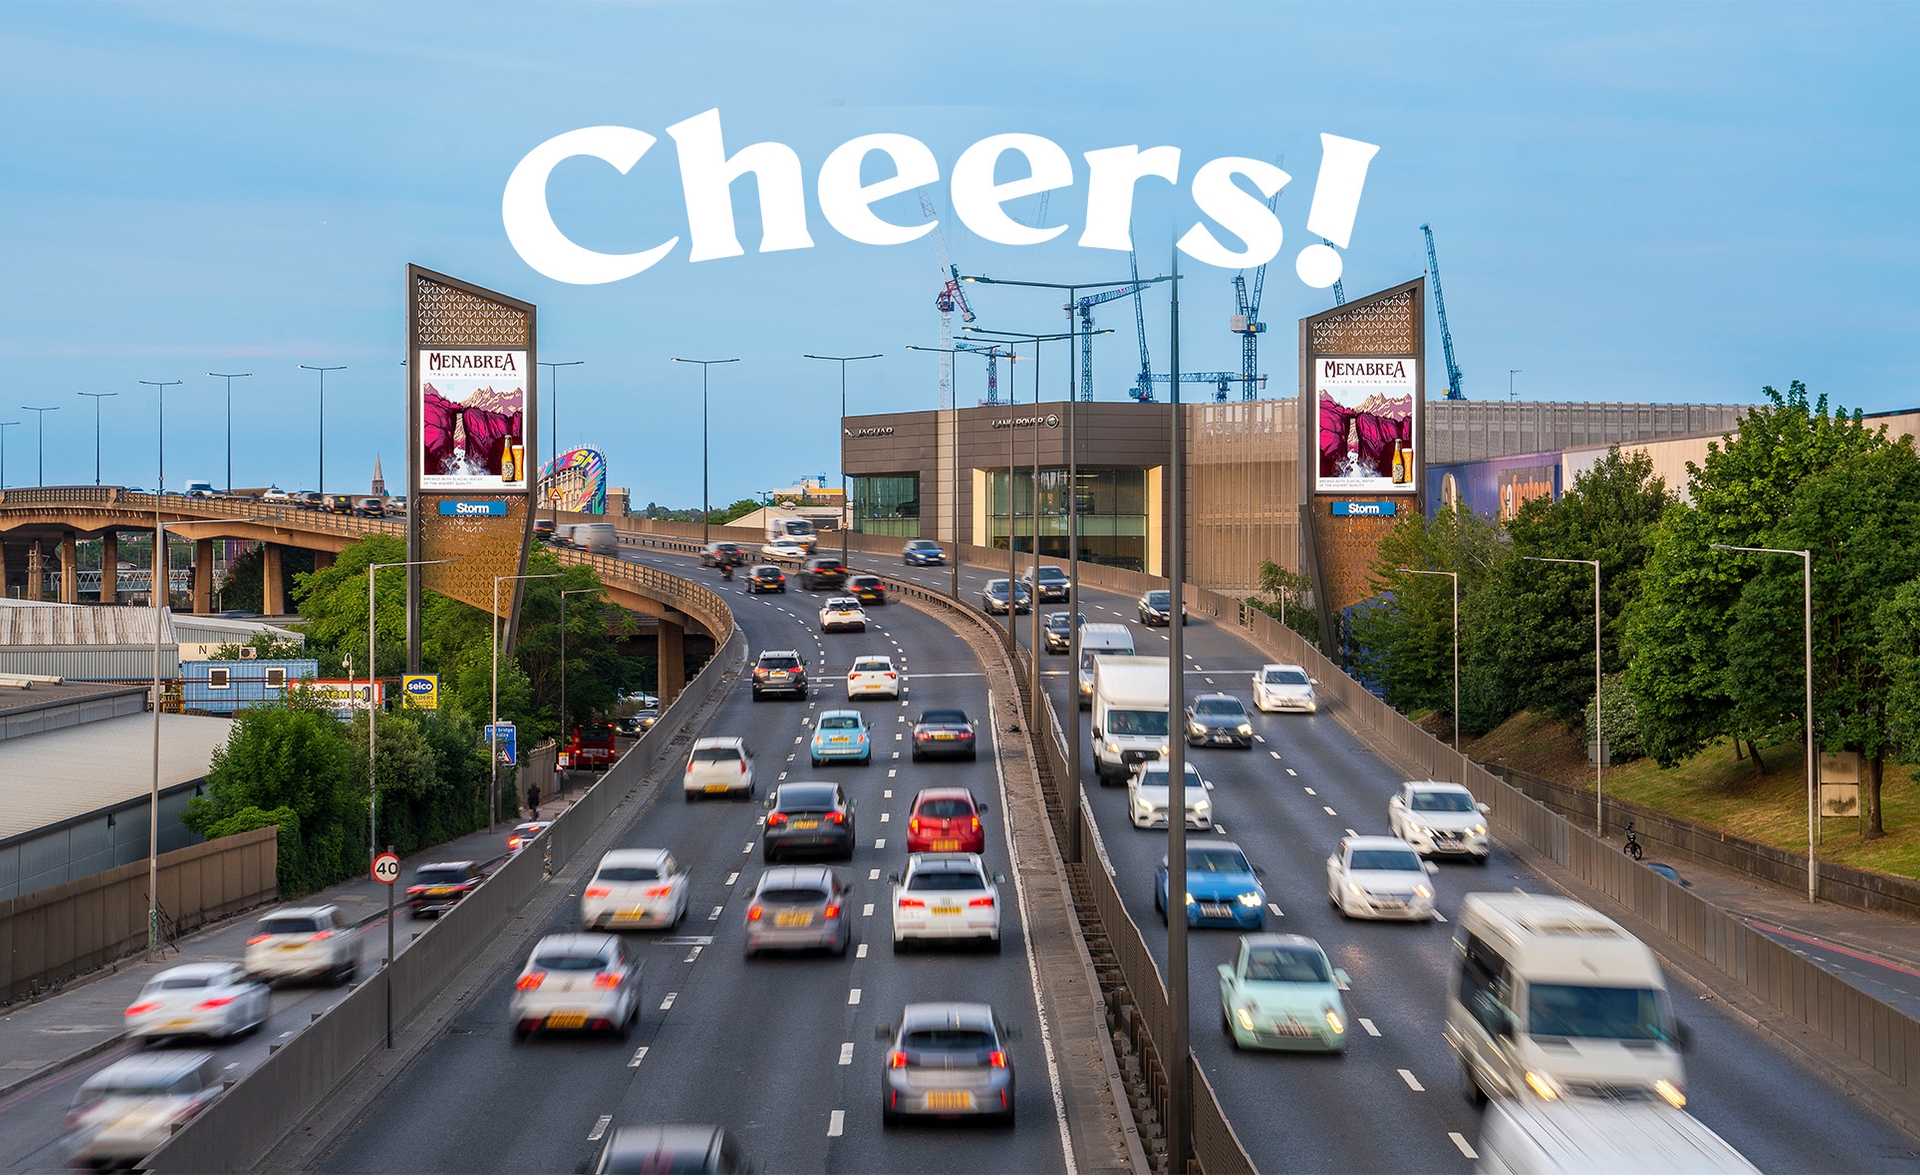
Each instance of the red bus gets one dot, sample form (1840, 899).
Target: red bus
(592, 747)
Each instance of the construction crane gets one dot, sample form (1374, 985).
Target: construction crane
(1339, 291)
(1247, 324)
(1143, 384)
(1085, 307)
(1440, 304)
(950, 298)
(993, 367)
(1219, 380)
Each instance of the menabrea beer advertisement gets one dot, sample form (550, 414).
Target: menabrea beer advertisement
(473, 420)
(1367, 423)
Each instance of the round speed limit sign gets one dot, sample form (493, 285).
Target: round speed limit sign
(386, 868)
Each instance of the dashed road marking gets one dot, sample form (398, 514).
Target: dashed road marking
(1274, 907)
(1259, 738)
(693, 955)
(885, 817)
(836, 1123)
(1412, 1082)
(886, 794)
(853, 996)
(1351, 833)
(1460, 1141)
(1219, 828)
(1368, 1026)
(733, 877)
(880, 843)
(639, 1055)
(783, 775)
(668, 1003)
(1438, 917)
(873, 875)
(1329, 811)
(748, 848)
(896, 755)
(866, 912)
(1308, 791)
(716, 914)
(891, 772)
(846, 1053)
(1291, 772)
(861, 952)
(898, 737)
(599, 1128)
(1274, 754)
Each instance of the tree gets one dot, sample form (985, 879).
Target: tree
(1897, 645)
(740, 509)
(1405, 641)
(333, 602)
(1289, 600)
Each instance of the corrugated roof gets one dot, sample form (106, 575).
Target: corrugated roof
(66, 624)
(60, 774)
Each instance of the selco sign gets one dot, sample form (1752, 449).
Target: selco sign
(1050, 421)
(420, 691)
(471, 509)
(1367, 509)
(871, 431)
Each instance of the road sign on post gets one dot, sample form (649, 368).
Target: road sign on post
(504, 732)
(386, 868)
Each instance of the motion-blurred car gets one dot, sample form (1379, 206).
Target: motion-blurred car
(1218, 720)
(370, 507)
(843, 614)
(198, 1000)
(1053, 583)
(947, 734)
(946, 896)
(303, 943)
(524, 832)
(798, 908)
(948, 1060)
(1059, 631)
(634, 888)
(1380, 878)
(766, 578)
(723, 555)
(339, 504)
(125, 1110)
(311, 499)
(867, 589)
(1439, 818)
(639, 722)
(274, 494)
(670, 1148)
(840, 735)
(808, 818)
(1149, 794)
(945, 820)
(1222, 889)
(576, 981)
(787, 549)
(1600, 1135)
(718, 765)
(873, 674)
(1156, 608)
(1280, 687)
(823, 571)
(779, 671)
(920, 553)
(1281, 993)
(439, 886)
(994, 597)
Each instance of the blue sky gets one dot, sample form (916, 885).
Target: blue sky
(1632, 202)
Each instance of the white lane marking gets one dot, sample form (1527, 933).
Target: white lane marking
(1438, 917)
(693, 955)
(886, 793)
(715, 914)
(1329, 811)
(898, 737)
(1219, 828)
(1290, 771)
(599, 1128)
(866, 912)
(639, 1055)
(1368, 1026)
(1351, 833)
(892, 772)
(1274, 754)
(873, 875)
(1209, 681)
(846, 1053)
(861, 954)
(1460, 1141)
(668, 1003)
(836, 1123)
(896, 755)
(747, 848)
(853, 996)
(1411, 1081)
(1259, 738)
(885, 817)
(796, 738)
(1275, 908)
(880, 843)
(1308, 791)
(733, 877)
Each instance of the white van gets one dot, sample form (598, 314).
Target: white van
(1129, 714)
(792, 530)
(1588, 1135)
(1097, 641)
(594, 538)
(1553, 1000)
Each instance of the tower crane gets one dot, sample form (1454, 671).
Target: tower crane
(1339, 291)
(1440, 304)
(950, 298)
(1143, 385)
(1247, 324)
(1085, 307)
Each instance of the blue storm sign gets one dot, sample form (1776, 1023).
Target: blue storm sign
(1363, 509)
(472, 509)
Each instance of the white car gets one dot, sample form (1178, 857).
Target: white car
(718, 766)
(198, 1000)
(1281, 687)
(842, 613)
(581, 982)
(786, 549)
(634, 888)
(304, 943)
(126, 1110)
(1380, 878)
(274, 494)
(873, 674)
(946, 896)
(1148, 791)
(1436, 817)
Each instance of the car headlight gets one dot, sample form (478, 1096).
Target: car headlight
(1166, 749)
(1670, 1092)
(1355, 888)
(1113, 749)
(1246, 728)
(1143, 804)
(1245, 1016)
(1543, 1086)
(1251, 898)
(1196, 728)
(1189, 898)
(1414, 830)
(1423, 892)
(1335, 1023)
(1202, 805)
(1479, 830)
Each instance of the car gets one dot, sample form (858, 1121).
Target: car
(872, 674)
(543, 530)
(948, 1060)
(1053, 582)
(867, 589)
(1280, 992)
(798, 908)
(718, 765)
(947, 734)
(1059, 632)
(1282, 687)
(1380, 878)
(811, 817)
(723, 555)
(274, 494)
(525, 832)
(766, 578)
(945, 820)
(339, 504)
(779, 671)
(1222, 887)
(396, 504)
(198, 1000)
(842, 614)
(1218, 720)
(1148, 796)
(787, 549)
(823, 571)
(303, 943)
(438, 887)
(593, 745)
(639, 722)
(920, 553)
(671, 1147)
(1617, 1134)
(1436, 818)
(124, 1111)
(576, 981)
(635, 888)
(370, 507)
(840, 735)
(994, 598)
(1156, 608)
(946, 896)
(311, 499)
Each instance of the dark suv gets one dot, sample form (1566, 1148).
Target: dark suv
(779, 671)
(823, 571)
(723, 555)
(1053, 583)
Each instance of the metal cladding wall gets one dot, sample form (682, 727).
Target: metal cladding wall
(1243, 491)
(100, 840)
(1468, 430)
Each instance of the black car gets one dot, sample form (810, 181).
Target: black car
(870, 589)
(339, 504)
(1156, 608)
(543, 530)
(671, 1148)
(808, 818)
(779, 671)
(766, 578)
(823, 571)
(1053, 583)
(1220, 721)
(438, 887)
(1060, 631)
(723, 555)
(994, 598)
(944, 733)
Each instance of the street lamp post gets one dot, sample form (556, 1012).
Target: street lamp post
(230, 377)
(322, 434)
(493, 730)
(161, 573)
(846, 504)
(990, 353)
(1455, 577)
(1599, 728)
(706, 507)
(373, 676)
(553, 439)
(43, 437)
(566, 592)
(1813, 808)
(97, 397)
(1511, 373)
(160, 434)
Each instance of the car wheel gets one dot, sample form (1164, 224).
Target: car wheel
(1470, 1088)
(767, 855)
(916, 756)
(972, 756)
(993, 945)
(899, 946)
(519, 1033)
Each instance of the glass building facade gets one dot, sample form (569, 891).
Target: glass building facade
(1112, 505)
(887, 505)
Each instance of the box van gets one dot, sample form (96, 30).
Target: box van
(1591, 1136)
(597, 538)
(1553, 1000)
(1095, 641)
(796, 530)
(1129, 714)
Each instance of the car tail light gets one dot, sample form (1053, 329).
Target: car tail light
(997, 1059)
(898, 1061)
(985, 901)
(411, 891)
(608, 979)
(531, 980)
(889, 673)
(659, 891)
(776, 818)
(837, 818)
(743, 767)
(976, 824)
(923, 735)
(216, 1002)
(833, 910)
(513, 843)
(912, 904)
(143, 1008)
(258, 939)
(597, 891)
(913, 825)
(317, 936)
(753, 914)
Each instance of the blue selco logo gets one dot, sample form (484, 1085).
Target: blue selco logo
(1363, 508)
(472, 508)
(421, 685)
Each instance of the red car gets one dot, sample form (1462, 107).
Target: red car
(946, 820)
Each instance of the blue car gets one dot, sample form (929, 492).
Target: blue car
(923, 553)
(1221, 888)
(841, 735)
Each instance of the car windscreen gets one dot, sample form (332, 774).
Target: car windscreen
(1132, 722)
(1442, 802)
(946, 880)
(947, 1040)
(871, 666)
(172, 982)
(1156, 777)
(944, 718)
(1219, 706)
(1158, 600)
(865, 581)
(441, 874)
(1059, 622)
(569, 961)
(839, 723)
(794, 896)
(945, 809)
(1403, 860)
(779, 663)
(843, 603)
(767, 571)
(1590, 1010)
(1286, 678)
(654, 1160)
(1288, 965)
(996, 587)
(716, 755)
(813, 796)
(286, 926)
(1053, 575)
(133, 1087)
(1218, 861)
(627, 874)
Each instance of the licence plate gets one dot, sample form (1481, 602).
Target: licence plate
(946, 910)
(794, 919)
(778, 676)
(1216, 910)
(566, 1020)
(838, 739)
(634, 913)
(949, 1100)
(947, 845)
(1223, 739)
(806, 824)
(182, 1023)
(440, 890)
(943, 735)
(716, 788)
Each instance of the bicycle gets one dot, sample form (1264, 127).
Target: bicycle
(1632, 847)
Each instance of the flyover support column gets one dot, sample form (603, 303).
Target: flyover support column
(322, 560)
(69, 569)
(273, 597)
(109, 567)
(35, 586)
(202, 577)
(670, 653)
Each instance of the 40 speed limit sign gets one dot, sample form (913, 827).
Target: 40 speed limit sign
(386, 868)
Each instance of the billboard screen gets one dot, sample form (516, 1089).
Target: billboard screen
(473, 420)
(1367, 423)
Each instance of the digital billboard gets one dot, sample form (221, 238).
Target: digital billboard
(473, 420)
(1367, 423)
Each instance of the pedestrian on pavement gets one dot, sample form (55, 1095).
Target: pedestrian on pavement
(533, 801)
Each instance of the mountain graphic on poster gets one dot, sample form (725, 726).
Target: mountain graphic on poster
(1388, 407)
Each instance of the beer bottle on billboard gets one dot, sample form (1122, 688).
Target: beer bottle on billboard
(506, 459)
(1399, 464)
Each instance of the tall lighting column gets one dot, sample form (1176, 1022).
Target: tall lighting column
(229, 377)
(97, 397)
(321, 436)
(159, 586)
(706, 507)
(1180, 1104)
(989, 353)
(846, 504)
(43, 437)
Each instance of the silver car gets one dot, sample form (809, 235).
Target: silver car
(580, 982)
(797, 908)
(948, 1060)
(198, 1000)
(126, 1110)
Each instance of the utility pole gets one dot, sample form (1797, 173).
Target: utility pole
(1180, 1100)
(229, 377)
